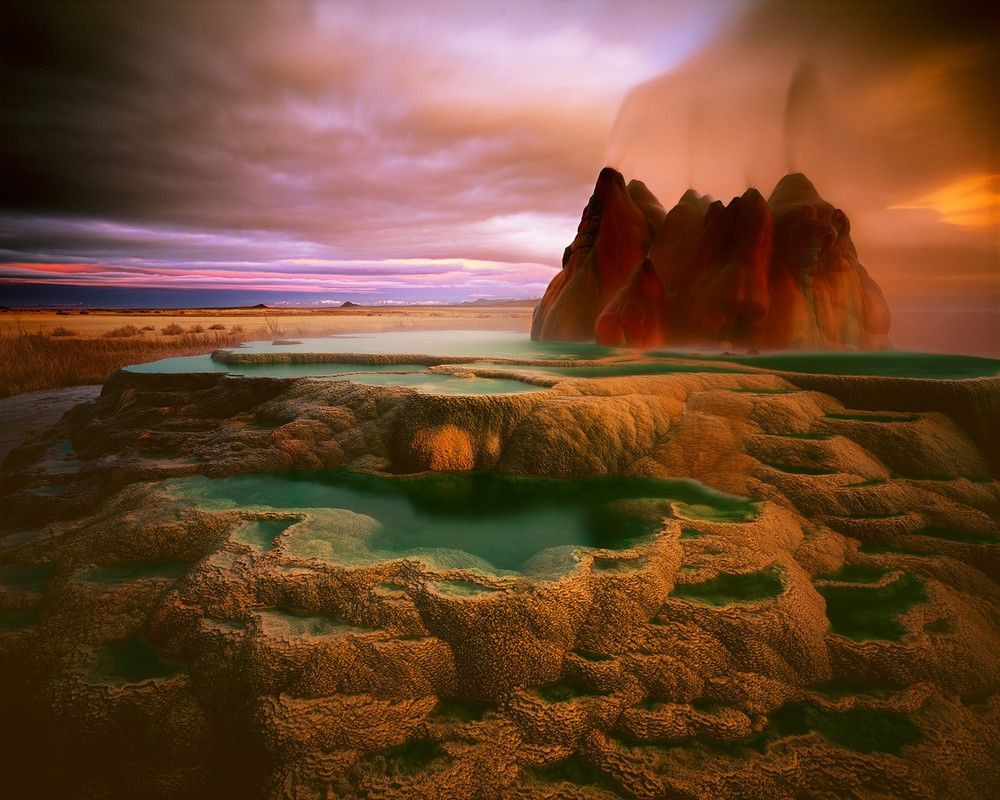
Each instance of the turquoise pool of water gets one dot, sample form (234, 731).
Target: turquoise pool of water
(497, 524)
(490, 344)
(487, 345)
(414, 376)
(893, 363)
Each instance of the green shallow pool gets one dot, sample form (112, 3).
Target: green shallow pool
(732, 588)
(262, 533)
(497, 524)
(438, 383)
(636, 369)
(892, 363)
(871, 612)
(486, 344)
(414, 376)
(132, 660)
(116, 574)
(489, 345)
(25, 578)
(859, 729)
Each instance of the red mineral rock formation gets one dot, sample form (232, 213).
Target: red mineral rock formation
(753, 274)
(828, 299)
(727, 294)
(637, 315)
(675, 244)
(610, 243)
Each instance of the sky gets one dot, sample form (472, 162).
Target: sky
(315, 152)
(363, 151)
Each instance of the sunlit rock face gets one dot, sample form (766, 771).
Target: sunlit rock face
(754, 274)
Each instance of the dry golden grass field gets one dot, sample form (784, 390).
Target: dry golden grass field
(50, 349)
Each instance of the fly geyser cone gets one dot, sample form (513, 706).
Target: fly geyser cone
(780, 273)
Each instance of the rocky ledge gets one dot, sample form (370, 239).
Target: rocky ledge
(830, 630)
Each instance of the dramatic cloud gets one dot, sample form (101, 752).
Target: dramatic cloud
(187, 140)
(444, 150)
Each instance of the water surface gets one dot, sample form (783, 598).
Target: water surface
(497, 524)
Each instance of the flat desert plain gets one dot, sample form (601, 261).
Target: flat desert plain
(47, 349)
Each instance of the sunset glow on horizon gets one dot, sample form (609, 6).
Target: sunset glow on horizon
(442, 152)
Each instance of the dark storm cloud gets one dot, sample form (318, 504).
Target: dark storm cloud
(236, 136)
(320, 130)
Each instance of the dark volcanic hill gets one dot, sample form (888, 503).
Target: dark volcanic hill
(777, 273)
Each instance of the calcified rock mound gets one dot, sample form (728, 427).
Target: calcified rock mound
(753, 274)
(836, 634)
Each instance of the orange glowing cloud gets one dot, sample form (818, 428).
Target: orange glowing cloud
(970, 202)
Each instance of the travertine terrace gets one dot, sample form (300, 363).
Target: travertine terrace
(834, 635)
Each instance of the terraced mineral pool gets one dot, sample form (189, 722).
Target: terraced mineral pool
(497, 524)
(564, 692)
(487, 345)
(935, 532)
(490, 344)
(461, 588)
(871, 612)
(310, 625)
(24, 578)
(414, 376)
(408, 759)
(262, 533)
(855, 573)
(859, 729)
(132, 660)
(438, 383)
(575, 770)
(836, 690)
(461, 711)
(882, 549)
(730, 588)
(892, 363)
(882, 419)
(636, 368)
(438, 344)
(117, 574)
(18, 619)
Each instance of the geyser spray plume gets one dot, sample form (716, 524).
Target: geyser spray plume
(803, 107)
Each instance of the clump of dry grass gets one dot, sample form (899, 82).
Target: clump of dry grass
(32, 361)
(173, 329)
(218, 327)
(124, 332)
(62, 331)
